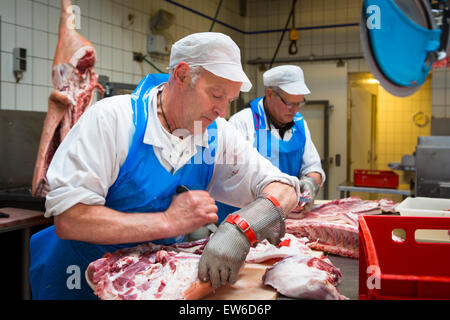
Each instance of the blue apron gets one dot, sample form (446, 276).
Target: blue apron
(143, 185)
(285, 155)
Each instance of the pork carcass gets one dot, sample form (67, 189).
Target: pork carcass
(72, 75)
(149, 272)
(305, 277)
(333, 226)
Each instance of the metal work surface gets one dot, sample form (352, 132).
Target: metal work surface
(349, 187)
(349, 269)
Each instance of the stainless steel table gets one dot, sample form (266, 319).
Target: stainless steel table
(350, 275)
(347, 187)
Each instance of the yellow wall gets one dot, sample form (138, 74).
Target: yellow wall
(396, 132)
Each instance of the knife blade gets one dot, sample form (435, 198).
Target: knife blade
(4, 215)
(304, 199)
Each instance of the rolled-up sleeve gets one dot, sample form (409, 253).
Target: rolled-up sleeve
(240, 172)
(88, 160)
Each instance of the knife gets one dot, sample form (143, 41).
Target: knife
(4, 215)
(182, 188)
(304, 199)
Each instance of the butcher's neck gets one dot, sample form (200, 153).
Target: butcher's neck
(170, 108)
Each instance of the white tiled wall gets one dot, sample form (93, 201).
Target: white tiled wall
(33, 24)
(272, 15)
(440, 93)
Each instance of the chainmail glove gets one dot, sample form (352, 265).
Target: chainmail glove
(225, 253)
(309, 184)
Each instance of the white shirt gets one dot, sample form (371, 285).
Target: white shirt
(243, 121)
(88, 160)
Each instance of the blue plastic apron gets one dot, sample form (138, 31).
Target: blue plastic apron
(143, 185)
(286, 155)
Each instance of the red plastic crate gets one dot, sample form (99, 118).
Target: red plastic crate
(402, 270)
(375, 178)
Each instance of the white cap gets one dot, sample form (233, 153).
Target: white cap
(288, 78)
(215, 52)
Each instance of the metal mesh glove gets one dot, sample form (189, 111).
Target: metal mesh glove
(223, 256)
(265, 219)
(225, 253)
(309, 184)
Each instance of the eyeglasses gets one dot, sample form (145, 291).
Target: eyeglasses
(291, 105)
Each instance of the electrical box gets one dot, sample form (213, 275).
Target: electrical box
(20, 59)
(20, 62)
(157, 43)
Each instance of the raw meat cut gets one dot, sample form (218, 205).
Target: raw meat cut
(333, 237)
(352, 205)
(148, 272)
(72, 75)
(305, 277)
(333, 226)
(288, 246)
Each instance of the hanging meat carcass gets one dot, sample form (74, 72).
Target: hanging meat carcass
(74, 81)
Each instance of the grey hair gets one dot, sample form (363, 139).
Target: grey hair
(273, 88)
(195, 72)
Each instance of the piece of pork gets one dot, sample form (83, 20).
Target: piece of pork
(73, 75)
(305, 277)
(149, 272)
(333, 226)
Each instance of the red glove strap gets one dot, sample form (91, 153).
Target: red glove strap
(244, 226)
(273, 200)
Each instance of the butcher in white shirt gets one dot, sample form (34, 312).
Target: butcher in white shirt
(114, 180)
(276, 118)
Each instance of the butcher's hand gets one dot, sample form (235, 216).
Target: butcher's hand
(310, 185)
(189, 211)
(225, 253)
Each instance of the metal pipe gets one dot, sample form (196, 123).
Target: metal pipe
(150, 63)
(311, 58)
(291, 15)
(344, 25)
(215, 17)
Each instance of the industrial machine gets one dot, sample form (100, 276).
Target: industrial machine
(430, 165)
(433, 167)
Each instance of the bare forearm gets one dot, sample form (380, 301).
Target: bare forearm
(285, 194)
(102, 225)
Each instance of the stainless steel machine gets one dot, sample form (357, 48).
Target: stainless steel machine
(431, 166)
